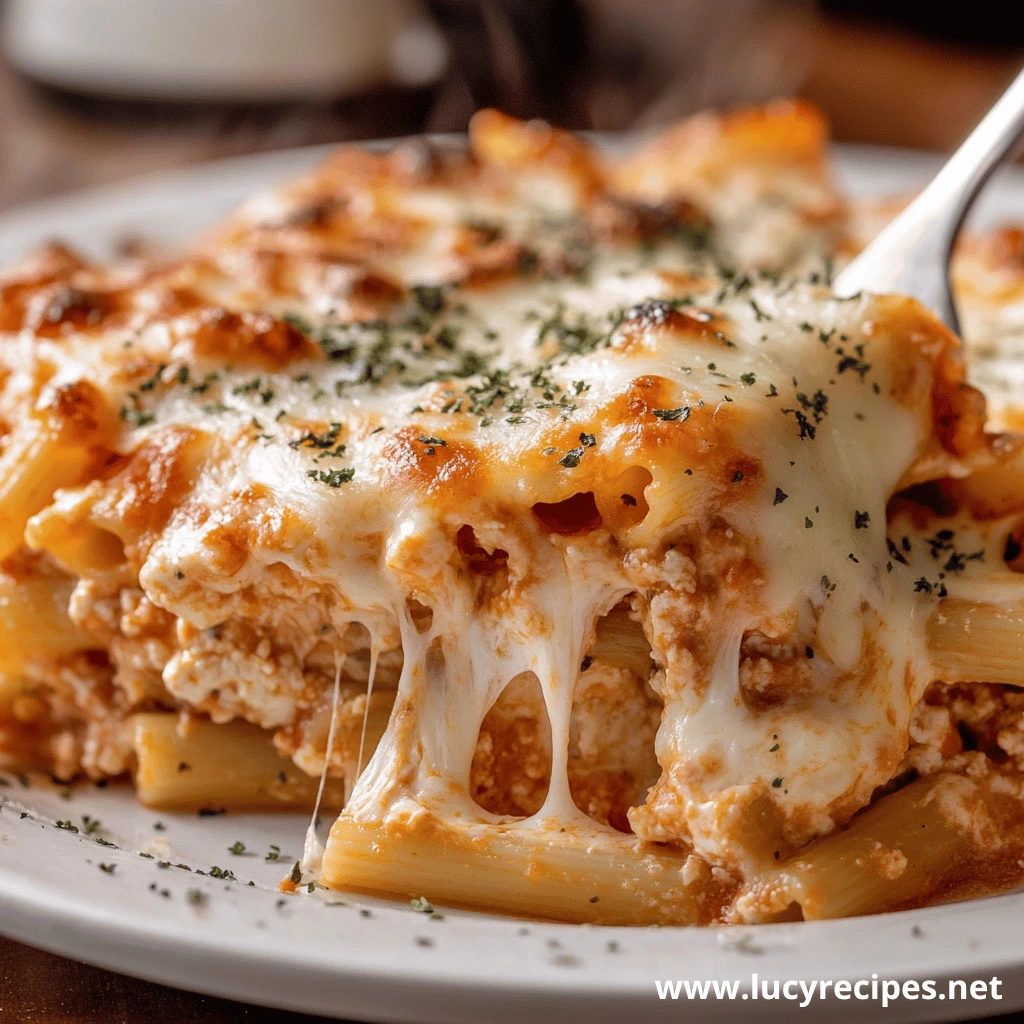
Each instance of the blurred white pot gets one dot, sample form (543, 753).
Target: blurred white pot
(222, 49)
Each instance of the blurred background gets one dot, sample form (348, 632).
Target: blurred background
(96, 90)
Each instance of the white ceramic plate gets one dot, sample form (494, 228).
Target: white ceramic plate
(128, 906)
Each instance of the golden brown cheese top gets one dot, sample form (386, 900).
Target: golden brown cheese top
(555, 356)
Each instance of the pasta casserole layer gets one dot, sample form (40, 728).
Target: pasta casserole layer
(552, 508)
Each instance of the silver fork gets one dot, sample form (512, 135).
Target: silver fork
(911, 255)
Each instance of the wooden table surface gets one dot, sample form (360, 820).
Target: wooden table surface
(39, 988)
(52, 144)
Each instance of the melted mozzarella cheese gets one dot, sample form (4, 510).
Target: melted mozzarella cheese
(762, 391)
